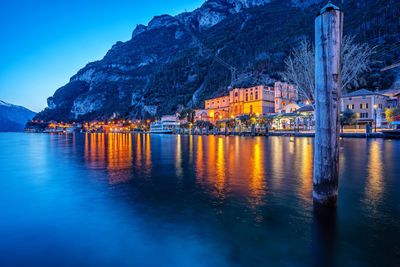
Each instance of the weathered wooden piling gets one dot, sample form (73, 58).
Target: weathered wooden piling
(328, 83)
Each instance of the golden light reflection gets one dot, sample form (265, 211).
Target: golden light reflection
(178, 156)
(258, 180)
(304, 157)
(147, 154)
(220, 168)
(138, 154)
(112, 152)
(119, 157)
(375, 185)
(277, 161)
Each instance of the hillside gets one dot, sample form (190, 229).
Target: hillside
(170, 63)
(13, 118)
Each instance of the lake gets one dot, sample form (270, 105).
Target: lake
(153, 200)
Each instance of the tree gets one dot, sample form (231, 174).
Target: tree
(391, 114)
(188, 114)
(300, 66)
(347, 117)
(231, 123)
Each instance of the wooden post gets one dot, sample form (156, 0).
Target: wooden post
(328, 83)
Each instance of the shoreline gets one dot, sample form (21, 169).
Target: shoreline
(380, 135)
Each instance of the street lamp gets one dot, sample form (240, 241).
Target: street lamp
(375, 109)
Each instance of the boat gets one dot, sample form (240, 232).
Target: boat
(164, 127)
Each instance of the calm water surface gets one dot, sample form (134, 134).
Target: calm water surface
(141, 200)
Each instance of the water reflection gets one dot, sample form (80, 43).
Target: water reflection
(244, 200)
(112, 152)
(304, 159)
(375, 183)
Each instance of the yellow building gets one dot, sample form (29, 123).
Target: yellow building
(217, 108)
(254, 100)
(257, 100)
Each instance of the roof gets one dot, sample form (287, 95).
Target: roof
(306, 108)
(362, 92)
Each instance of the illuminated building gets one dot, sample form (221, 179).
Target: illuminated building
(367, 105)
(254, 100)
(257, 100)
(285, 94)
(217, 108)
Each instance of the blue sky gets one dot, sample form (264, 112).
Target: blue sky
(43, 42)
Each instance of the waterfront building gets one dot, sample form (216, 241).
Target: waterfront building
(285, 94)
(217, 108)
(367, 105)
(289, 108)
(200, 115)
(257, 100)
(305, 117)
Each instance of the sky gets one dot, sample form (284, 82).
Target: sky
(45, 42)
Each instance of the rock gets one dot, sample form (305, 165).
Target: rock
(170, 62)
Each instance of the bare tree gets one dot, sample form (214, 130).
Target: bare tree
(300, 65)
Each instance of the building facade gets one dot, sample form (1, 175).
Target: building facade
(285, 94)
(257, 100)
(367, 105)
(217, 108)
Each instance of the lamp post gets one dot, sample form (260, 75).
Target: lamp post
(375, 109)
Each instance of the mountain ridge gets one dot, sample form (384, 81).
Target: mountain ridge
(170, 63)
(13, 118)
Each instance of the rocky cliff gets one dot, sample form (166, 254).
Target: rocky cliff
(170, 63)
(13, 118)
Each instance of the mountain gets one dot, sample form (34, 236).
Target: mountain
(171, 62)
(13, 118)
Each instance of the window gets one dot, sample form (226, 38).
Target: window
(347, 106)
(256, 95)
(361, 106)
(236, 94)
(251, 96)
(352, 106)
(247, 97)
(366, 106)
